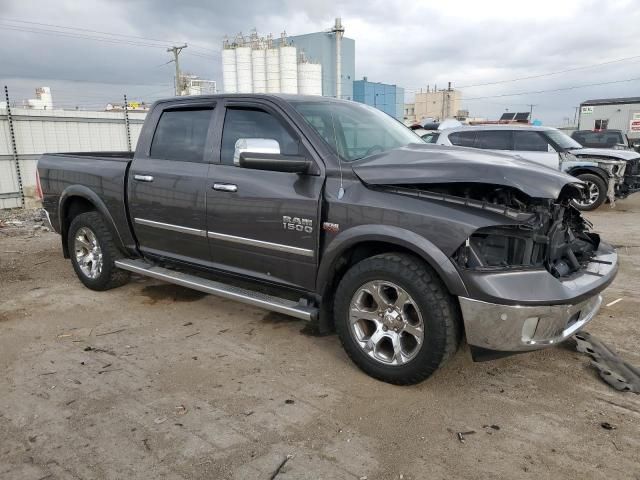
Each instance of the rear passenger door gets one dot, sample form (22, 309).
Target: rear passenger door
(167, 180)
(498, 140)
(263, 223)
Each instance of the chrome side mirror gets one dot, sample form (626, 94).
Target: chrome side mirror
(254, 145)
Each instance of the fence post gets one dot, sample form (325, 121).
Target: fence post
(14, 146)
(126, 122)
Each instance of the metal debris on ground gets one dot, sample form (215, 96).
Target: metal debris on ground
(607, 426)
(613, 369)
(282, 464)
(461, 435)
(610, 304)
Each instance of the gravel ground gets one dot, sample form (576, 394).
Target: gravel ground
(155, 381)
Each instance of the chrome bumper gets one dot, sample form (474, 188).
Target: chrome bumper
(47, 222)
(517, 328)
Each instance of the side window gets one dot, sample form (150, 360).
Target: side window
(463, 139)
(494, 139)
(181, 135)
(527, 141)
(254, 123)
(601, 124)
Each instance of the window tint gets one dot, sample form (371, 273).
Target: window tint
(253, 123)
(181, 135)
(463, 139)
(527, 141)
(493, 139)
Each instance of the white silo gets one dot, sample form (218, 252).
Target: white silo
(309, 78)
(273, 67)
(288, 67)
(229, 68)
(259, 72)
(243, 67)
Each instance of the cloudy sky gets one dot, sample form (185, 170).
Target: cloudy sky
(409, 43)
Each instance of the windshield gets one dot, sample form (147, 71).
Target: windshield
(561, 139)
(590, 139)
(355, 130)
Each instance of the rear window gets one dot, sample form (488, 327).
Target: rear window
(462, 139)
(181, 135)
(591, 139)
(493, 139)
(527, 141)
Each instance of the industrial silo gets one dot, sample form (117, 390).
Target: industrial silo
(259, 72)
(243, 68)
(288, 68)
(309, 78)
(229, 68)
(273, 67)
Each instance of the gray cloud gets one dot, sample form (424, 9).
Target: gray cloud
(408, 43)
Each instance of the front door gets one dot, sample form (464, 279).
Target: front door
(263, 223)
(167, 183)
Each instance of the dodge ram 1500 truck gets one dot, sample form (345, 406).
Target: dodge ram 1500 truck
(335, 213)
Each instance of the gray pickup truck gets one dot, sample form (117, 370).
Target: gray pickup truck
(333, 212)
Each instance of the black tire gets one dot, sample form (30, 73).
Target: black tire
(439, 310)
(110, 276)
(600, 184)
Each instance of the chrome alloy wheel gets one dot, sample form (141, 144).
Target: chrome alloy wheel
(386, 323)
(88, 253)
(592, 192)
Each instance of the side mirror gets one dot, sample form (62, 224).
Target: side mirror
(275, 162)
(255, 145)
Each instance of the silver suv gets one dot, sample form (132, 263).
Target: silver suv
(602, 170)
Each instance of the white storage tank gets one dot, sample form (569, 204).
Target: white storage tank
(229, 70)
(259, 72)
(309, 78)
(288, 69)
(244, 70)
(273, 70)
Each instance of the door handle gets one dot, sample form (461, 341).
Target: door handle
(225, 187)
(143, 178)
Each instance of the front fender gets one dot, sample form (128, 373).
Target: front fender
(393, 236)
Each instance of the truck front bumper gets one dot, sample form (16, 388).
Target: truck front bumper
(536, 309)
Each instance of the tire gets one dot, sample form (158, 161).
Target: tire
(87, 231)
(430, 305)
(593, 181)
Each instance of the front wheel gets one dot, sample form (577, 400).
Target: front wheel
(395, 318)
(595, 192)
(93, 253)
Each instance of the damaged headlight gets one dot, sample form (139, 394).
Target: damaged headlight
(502, 247)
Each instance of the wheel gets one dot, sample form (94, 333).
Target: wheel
(395, 318)
(93, 253)
(595, 192)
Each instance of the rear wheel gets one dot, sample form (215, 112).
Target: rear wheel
(396, 319)
(595, 192)
(93, 253)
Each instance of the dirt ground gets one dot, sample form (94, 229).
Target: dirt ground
(156, 381)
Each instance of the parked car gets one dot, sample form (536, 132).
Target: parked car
(615, 139)
(606, 173)
(429, 136)
(335, 213)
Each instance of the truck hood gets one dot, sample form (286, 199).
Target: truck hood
(436, 164)
(605, 153)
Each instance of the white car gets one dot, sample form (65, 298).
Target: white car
(602, 170)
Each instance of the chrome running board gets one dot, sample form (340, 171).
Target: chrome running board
(257, 299)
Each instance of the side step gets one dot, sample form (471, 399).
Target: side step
(257, 299)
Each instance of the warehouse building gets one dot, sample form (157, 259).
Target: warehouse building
(611, 113)
(385, 97)
(434, 103)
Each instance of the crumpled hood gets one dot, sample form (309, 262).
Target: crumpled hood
(606, 153)
(424, 164)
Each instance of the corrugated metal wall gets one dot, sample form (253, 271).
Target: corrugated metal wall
(618, 115)
(56, 131)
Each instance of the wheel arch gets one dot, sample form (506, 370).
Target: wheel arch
(579, 170)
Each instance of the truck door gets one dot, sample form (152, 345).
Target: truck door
(167, 183)
(263, 223)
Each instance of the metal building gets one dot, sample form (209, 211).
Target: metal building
(611, 113)
(385, 97)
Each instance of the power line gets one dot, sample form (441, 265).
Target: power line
(553, 89)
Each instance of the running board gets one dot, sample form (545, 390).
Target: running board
(257, 299)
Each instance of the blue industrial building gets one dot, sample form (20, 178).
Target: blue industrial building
(388, 98)
(320, 47)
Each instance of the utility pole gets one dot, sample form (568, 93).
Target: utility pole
(176, 51)
(531, 111)
(575, 117)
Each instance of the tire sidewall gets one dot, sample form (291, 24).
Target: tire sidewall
(93, 222)
(602, 188)
(433, 347)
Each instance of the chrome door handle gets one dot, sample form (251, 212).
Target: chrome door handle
(143, 178)
(225, 187)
